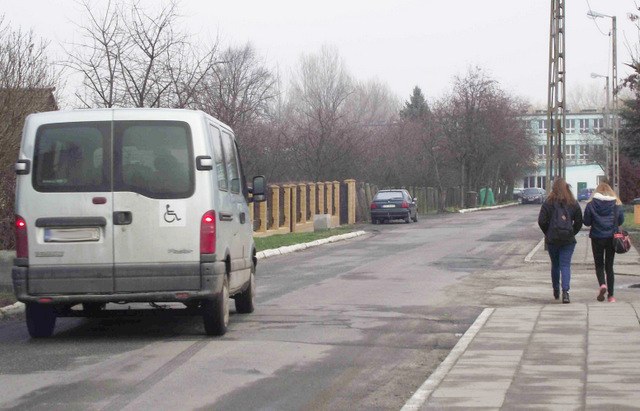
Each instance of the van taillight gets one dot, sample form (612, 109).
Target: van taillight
(22, 243)
(208, 233)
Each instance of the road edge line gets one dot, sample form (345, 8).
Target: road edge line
(419, 398)
(529, 256)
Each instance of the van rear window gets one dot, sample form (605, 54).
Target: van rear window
(71, 157)
(153, 158)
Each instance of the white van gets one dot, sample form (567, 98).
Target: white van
(132, 205)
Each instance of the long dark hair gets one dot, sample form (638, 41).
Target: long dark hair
(561, 193)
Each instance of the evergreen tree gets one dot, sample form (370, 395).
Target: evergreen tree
(416, 107)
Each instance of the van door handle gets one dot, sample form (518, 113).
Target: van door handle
(226, 217)
(242, 218)
(122, 217)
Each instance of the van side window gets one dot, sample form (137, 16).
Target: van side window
(153, 158)
(70, 157)
(221, 170)
(232, 161)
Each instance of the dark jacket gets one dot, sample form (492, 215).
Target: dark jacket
(546, 212)
(599, 215)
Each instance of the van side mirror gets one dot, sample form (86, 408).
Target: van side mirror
(259, 189)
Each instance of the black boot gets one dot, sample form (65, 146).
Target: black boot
(565, 297)
(556, 293)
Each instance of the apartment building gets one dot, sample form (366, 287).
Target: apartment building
(585, 154)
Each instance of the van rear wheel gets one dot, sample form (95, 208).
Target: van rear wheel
(215, 313)
(41, 319)
(244, 300)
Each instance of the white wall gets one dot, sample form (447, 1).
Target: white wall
(580, 174)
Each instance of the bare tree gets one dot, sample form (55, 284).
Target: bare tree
(239, 88)
(321, 136)
(145, 56)
(131, 56)
(27, 82)
(98, 58)
(187, 71)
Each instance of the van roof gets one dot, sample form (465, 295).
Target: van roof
(135, 113)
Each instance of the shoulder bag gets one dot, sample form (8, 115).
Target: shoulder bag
(621, 240)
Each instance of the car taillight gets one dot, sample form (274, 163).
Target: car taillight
(208, 233)
(405, 204)
(373, 205)
(22, 243)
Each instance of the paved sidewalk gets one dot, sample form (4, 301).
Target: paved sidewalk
(555, 357)
(577, 356)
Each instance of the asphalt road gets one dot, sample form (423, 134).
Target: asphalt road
(358, 324)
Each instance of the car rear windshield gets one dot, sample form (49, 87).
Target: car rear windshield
(71, 157)
(389, 195)
(532, 191)
(151, 158)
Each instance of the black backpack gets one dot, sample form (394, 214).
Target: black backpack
(560, 229)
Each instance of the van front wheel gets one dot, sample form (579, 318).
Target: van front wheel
(215, 313)
(41, 319)
(244, 300)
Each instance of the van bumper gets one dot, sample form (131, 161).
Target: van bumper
(212, 275)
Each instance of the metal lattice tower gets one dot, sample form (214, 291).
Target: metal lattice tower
(556, 98)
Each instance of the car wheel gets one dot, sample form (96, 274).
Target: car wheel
(407, 219)
(215, 312)
(244, 300)
(41, 319)
(374, 220)
(415, 219)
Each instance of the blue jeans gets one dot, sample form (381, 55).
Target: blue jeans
(560, 263)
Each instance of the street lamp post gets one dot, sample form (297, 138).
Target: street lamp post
(614, 76)
(607, 125)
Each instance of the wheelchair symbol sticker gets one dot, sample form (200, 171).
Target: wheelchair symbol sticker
(172, 214)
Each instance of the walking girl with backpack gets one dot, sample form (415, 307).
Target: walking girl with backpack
(602, 210)
(560, 219)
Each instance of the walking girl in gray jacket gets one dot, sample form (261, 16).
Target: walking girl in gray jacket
(601, 211)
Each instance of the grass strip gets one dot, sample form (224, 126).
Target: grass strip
(281, 240)
(7, 298)
(629, 223)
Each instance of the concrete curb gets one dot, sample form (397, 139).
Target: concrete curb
(298, 247)
(471, 210)
(419, 398)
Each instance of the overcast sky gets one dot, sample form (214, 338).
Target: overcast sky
(400, 42)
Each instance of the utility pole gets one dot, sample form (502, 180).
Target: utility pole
(556, 97)
(616, 140)
(615, 155)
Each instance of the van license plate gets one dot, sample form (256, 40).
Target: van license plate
(71, 235)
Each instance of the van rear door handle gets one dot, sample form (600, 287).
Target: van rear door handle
(226, 217)
(122, 217)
